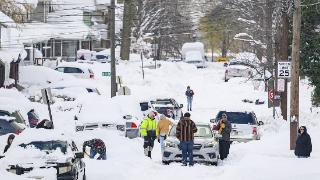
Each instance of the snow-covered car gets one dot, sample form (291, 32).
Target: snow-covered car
(168, 107)
(42, 149)
(245, 126)
(237, 69)
(79, 70)
(205, 147)
(10, 125)
(120, 113)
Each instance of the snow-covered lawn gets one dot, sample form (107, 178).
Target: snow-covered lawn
(269, 158)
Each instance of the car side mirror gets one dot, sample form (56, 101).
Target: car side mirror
(260, 123)
(79, 155)
(181, 105)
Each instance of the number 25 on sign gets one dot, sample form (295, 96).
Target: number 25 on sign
(284, 69)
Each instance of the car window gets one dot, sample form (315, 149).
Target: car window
(5, 126)
(4, 113)
(72, 70)
(60, 69)
(203, 131)
(19, 118)
(47, 145)
(238, 117)
(144, 106)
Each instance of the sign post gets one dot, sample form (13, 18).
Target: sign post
(47, 99)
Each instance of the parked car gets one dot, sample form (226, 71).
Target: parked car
(237, 69)
(168, 107)
(121, 113)
(10, 125)
(79, 70)
(41, 149)
(245, 126)
(205, 147)
(15, 114)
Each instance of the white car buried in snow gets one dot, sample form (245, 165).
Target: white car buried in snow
(205, 147)
(36, 149)
(78, 70)
(237, 69)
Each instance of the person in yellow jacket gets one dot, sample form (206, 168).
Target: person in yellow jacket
(148, 130)
(163, 130)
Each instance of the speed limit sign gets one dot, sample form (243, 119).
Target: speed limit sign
(284, 69)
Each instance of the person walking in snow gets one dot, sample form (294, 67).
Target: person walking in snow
(97, 149)
(303, 143)
(185, 133)
(224, 128)
(32, 118)
(163, 130)
(189, 93)
(148, 130)
(9, 142)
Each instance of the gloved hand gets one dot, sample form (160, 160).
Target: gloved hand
(222, 125)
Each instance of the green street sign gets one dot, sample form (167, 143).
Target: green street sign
(106, 73)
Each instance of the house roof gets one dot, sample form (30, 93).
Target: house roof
(5, 20)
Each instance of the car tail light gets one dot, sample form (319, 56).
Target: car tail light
(133, 125)
(254, 130)
(18, 132)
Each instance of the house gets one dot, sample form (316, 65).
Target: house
(11, 51)
(59, 31)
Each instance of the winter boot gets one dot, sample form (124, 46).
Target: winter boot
(146, 151)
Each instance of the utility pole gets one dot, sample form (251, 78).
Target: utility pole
(294, 104)
(113, 46)
(284, 56)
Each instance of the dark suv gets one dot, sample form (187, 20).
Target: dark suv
(11, 122)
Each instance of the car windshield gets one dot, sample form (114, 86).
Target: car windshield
(163, 110)
(193, 62)
(238, 117)
(47, 145)
(203, 131)
(163, 102)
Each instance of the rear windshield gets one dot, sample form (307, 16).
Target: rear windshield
(237, 117)
(47, 145)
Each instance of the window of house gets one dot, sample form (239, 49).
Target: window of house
(57, 48)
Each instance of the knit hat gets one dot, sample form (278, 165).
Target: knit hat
(186, 114)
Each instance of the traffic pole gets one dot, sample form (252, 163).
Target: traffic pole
(113, 46)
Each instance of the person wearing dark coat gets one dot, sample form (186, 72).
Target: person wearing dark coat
(9, 142)
(185, 133)
(303, 143)
(45, 124)
(33, 119)
(189, 93)
(224, 128)
(97, 146)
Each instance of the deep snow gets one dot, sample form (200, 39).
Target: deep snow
(269, 158)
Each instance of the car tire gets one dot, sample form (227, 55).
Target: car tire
(166, 162)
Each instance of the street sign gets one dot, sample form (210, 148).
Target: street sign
(106, 73)
(270, 95)
(284, 69)
(281, 85)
